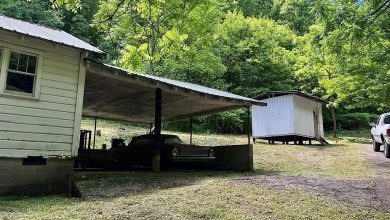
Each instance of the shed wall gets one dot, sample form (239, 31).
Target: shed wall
(304, 119)
(45, 126)
(275, 119)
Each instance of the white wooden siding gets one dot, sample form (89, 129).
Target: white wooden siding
(43, 127)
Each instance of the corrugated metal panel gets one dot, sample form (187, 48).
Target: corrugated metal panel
(44, 33)
(276, 119)
(189, 86)
(304, 118)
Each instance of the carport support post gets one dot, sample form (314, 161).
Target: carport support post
(248, 125)
(191, 131)
(157, 131)
(94, 133)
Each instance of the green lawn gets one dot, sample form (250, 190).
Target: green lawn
(211, 195)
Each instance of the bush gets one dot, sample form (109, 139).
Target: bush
(349, 121)
(231, 122)
(354, 121)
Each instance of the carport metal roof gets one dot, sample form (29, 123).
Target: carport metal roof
(115, 93)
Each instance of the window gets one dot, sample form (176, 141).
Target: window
(21, 73)
(386, 120)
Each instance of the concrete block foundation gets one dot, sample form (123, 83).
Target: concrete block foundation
(20, 176)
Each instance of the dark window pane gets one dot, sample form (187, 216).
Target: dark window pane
(387, 119)
(20, 83)
(23, 59)
(13, 61)
(32, 64)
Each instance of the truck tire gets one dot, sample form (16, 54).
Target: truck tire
(376, 146)
(387, 149)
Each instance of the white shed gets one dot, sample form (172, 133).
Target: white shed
(289, 116)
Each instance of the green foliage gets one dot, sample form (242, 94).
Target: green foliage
(257, 53)
(336, 49)
(355, 121)
(37, 11)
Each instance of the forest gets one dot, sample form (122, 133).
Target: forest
(338, 50)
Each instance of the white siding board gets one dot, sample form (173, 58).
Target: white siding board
(22, 153)
(35, 104)
(60, 65)
(59, 85)
(33, 120)
(58, 92)
(59, 78)
(39, 129)
(35, 137)
(5, 109)
(30, 145)
(61, 57)
(58, 99)
(60, 72)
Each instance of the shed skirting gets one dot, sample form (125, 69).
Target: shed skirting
(19, 176)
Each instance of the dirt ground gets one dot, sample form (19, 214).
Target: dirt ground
(371, 192)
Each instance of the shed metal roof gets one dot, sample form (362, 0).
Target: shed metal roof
(288, 92)
(115, 93)
(44, 33)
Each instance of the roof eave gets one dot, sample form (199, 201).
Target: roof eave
(97, 52)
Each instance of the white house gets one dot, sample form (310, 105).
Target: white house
(290, 116)
(41, 96)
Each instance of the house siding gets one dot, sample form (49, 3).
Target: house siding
(46, 126)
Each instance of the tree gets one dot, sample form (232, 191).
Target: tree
(38, 12)
(257, 54)
(148, 28)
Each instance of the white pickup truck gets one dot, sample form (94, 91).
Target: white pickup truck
(380, 133)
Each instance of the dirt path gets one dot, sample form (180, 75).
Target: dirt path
(382, 168)
(357, 192)
(371, 192)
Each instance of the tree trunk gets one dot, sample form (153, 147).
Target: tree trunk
(334, 122)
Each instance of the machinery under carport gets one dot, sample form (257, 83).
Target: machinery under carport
(116, 94)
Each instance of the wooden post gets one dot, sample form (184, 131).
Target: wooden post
(191, 131)
(157, 131)
(248, 125)
(94, 134)
(334, 122)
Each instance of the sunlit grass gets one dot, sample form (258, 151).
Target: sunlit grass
(207, 194)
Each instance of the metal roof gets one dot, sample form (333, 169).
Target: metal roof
(288, 92)
(115, 93)
(187, 85)
(44, 33)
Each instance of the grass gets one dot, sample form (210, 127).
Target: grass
(343, 160)
(208, 195)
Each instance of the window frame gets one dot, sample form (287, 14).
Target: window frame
(4, 64)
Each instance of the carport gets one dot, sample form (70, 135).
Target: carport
(116, 94)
